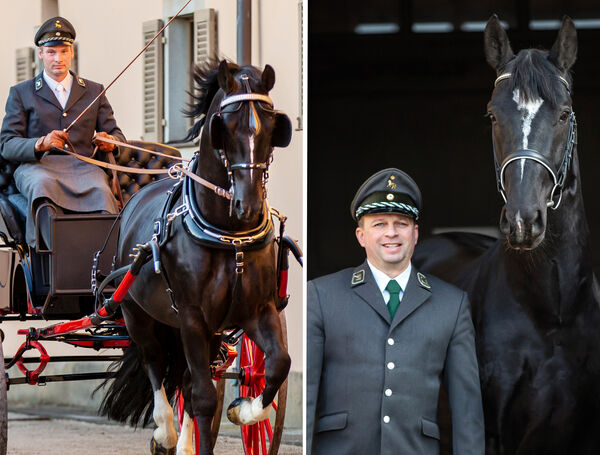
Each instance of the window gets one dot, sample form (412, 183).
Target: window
(189, 39)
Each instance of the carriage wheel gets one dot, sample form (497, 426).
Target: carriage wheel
(216, 422)
(3, 406)
(261, 438)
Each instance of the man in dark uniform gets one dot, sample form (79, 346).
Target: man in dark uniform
(37, 111)
(381, 336)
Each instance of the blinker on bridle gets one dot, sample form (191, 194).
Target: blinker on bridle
(254, 122)
(559, 176)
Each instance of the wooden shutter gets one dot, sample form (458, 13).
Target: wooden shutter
(153, 83)
(206, 44)
(75, 61)
(301, 66)
(24, 64)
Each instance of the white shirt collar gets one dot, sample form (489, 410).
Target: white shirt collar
(67, 82)
(382, 279)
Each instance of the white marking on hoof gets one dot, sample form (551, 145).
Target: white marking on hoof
(185, 443)
(165, 434)
(245, 411)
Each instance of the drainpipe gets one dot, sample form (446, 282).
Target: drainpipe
(244, 32)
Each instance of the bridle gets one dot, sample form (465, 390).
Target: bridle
(559, 176)
(254, 122)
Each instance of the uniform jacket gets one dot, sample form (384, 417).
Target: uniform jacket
(373, 383)
(32, 111)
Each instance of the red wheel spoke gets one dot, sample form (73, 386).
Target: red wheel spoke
(269, 429)
(196, 436)
(255, 438)
(263, 441)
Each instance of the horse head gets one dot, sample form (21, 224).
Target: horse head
(244, 130)
(533, 129)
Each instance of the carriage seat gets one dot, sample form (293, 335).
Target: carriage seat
(13, 205)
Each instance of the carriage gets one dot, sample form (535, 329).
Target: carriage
(73, 280)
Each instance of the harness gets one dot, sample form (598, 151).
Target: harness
(559, 175)
(200, 230)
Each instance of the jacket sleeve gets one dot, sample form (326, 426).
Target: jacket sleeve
(464, 389)
(14, 143)
(315, 339)
(106, 120)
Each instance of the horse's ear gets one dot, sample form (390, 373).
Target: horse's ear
(497, 47)
(224, 76)
(215, 130)
(282, 133)
(268, 78)
(564, 50)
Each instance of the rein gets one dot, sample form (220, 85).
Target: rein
(558, 176)
(126, 67)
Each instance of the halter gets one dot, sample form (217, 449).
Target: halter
(558, 177)
(254, 123)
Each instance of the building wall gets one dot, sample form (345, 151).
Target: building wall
(109, 35)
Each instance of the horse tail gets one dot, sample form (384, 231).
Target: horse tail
(129, 396)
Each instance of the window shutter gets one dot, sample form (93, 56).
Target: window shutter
(206, 45)
(301, 66)
(24, 64)
(75, 61)
(153, 83)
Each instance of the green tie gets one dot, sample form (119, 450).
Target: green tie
(394, 289)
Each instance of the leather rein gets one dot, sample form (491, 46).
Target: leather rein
(558, 176)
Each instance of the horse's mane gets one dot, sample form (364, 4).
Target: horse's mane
(207, 86)
(535, 76)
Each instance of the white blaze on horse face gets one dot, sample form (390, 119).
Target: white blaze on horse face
(251, 140)
(529, 110)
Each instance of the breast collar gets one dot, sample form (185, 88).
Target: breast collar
(208, 235)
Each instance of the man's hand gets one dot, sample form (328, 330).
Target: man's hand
(104, 146)
(55, 139)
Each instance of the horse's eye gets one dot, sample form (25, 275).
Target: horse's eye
(491, 117)
(564, 115)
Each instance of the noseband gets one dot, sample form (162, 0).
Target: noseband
(254, 122)
(559, 176)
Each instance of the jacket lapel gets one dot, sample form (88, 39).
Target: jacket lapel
(77, 91)
(43, 91)
(363, 284)
(415, 295)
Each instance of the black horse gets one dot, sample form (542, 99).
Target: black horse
(217, 259)
(534, 296)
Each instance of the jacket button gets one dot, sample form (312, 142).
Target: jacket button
(386, 419)
(391, 365)
(64, 114)
(388, 392)
(391, 341)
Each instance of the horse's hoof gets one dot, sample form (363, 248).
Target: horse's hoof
(157, 449)
(247, 411)
(234, 409)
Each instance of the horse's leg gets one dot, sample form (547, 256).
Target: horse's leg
(196, 338)
(185, 443)
(143, 331)
(266, 333)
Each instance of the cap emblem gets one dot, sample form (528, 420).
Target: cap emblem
(358, 277)
(391, 183)
(57, 33)
(390, 197)
(423, 280)
(57, 24)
